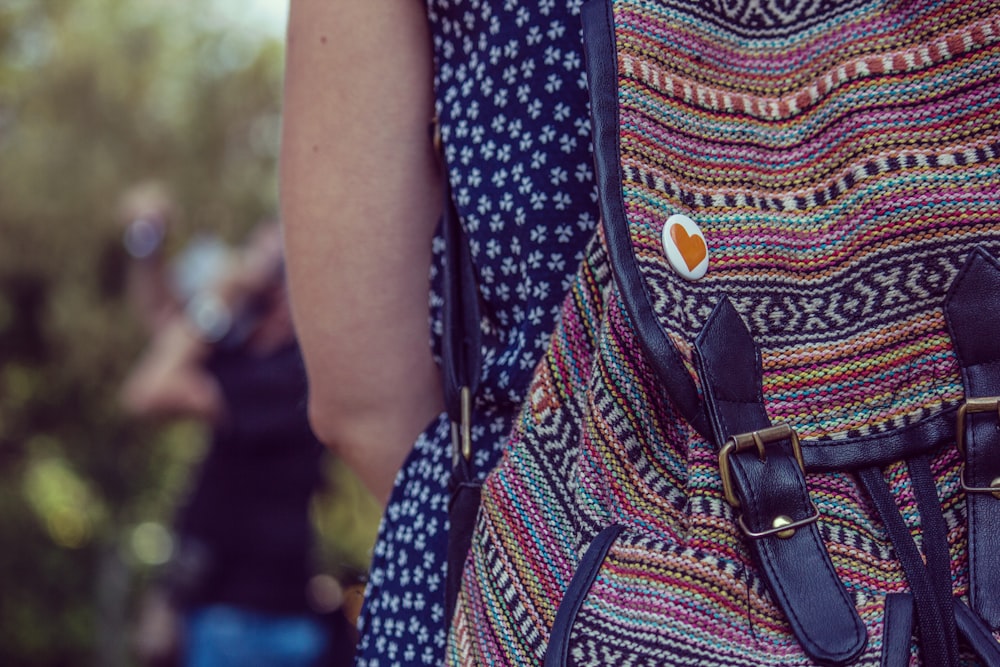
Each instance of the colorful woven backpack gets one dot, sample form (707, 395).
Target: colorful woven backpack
(766, 431)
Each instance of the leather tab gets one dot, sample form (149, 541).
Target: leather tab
(797, 569)
(974, 323)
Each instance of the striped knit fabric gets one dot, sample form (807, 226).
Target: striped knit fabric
(842, 159)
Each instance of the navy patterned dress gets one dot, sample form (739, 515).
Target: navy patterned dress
(512, 107)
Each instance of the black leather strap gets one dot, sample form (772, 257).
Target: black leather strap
(897, 633)
(977, 635)
(936, 645)
(974, 321)
(797, 569)
(461, 346)
(897, 630)
(460, 354)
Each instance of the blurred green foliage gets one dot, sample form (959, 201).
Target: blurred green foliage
(95, 96)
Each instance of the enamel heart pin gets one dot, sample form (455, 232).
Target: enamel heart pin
(685, 247)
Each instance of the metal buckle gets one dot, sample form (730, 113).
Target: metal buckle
(757, 440)
(784, 527)
(975, 406)
(436, 134)
(461, 432)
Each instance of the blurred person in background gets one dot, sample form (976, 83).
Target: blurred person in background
(223, 350)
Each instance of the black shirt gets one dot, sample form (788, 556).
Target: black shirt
(248, 513)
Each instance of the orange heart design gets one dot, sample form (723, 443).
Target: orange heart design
(691, 246)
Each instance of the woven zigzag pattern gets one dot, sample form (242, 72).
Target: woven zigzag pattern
(677, 587)
(839, 175)
(841, 159)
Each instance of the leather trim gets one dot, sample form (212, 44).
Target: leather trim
(557, 652)
(602, 79)
(922, 437)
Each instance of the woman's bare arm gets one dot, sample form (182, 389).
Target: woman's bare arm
(360, 195)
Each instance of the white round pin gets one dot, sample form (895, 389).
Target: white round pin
(685, 247)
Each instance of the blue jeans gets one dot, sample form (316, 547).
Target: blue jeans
(226, 636)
